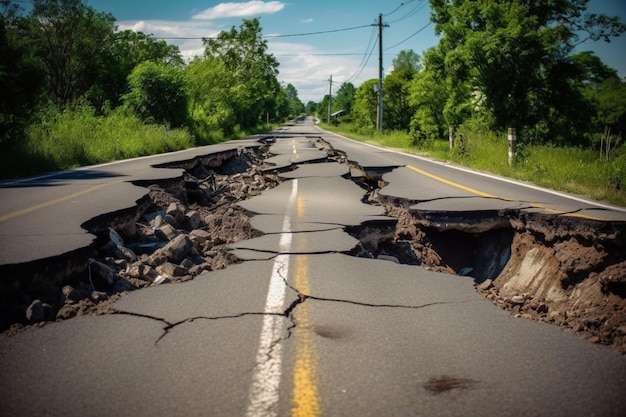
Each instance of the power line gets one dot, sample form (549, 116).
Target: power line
(315, 33)
(320, 54)
(398, 8)
(413, 12)
(369, 51)
(365, 58)
(271, 36)
(401, 42)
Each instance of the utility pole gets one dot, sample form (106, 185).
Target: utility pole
(379, 112)
(330, 96)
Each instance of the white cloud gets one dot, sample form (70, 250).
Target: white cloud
(193, 31)
(309, 20)
(302, 66)
(250, 8)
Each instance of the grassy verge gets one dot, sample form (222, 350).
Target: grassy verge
(78, 137)
(571, 170)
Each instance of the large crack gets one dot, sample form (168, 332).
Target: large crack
(582, 261)
(541, 265)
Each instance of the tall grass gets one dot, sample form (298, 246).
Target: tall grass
(568, 169)
(77, 137)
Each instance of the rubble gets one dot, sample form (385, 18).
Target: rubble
(182, 233)
(570, 273)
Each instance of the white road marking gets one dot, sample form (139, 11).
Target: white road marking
(264, 392)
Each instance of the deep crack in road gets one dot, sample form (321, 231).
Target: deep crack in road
(357, 255)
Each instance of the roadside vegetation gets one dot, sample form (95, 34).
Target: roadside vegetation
(76, 91)
(499, 67)
(569, 169)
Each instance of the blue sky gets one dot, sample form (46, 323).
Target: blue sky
(308, 61)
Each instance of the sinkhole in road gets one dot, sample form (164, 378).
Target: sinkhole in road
(571, 272)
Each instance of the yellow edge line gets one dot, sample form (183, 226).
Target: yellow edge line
(27, 210)
(483, 194)
(453, 184)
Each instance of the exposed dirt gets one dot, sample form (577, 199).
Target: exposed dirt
(556, 269)
(563, 270)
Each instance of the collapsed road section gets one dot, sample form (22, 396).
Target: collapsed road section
(560, 269)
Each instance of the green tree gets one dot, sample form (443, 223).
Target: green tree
(210, 100)
(120, 56)
(609, 99)
(345, 97)
(311, 107)
(244, 53)
(322, 108)
(68, 35)
(516, 55)
(428, 96)
(21, 79)
(294, 105)
(407, 62)
(397, 105)
(157, 94)
(365, 103)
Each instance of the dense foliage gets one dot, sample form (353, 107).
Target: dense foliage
(505, 64)
(63, 64)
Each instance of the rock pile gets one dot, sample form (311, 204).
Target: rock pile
(186, 230)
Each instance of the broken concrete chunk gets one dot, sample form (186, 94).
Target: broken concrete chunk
(171, 270)
(518, 299)
(38, 311)
(160, 280)
(157, 221)
(122, 252)
(193, 220)
(169, 219)
(485, 285)
(71, 294)
(175, 251)
(150, 217)
(98, 296)
(166, 232)
(200, 236)
(115, 237)
(177, 211)
(187, 263)
(102, 271)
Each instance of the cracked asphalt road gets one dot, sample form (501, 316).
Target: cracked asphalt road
(300, 328)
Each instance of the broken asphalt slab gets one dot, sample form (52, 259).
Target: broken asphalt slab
(319, 200)
(318, 170)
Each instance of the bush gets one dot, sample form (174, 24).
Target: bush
(157, 94)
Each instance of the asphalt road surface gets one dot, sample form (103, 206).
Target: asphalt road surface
(298, 328)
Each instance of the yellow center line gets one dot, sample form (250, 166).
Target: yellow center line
(305, 393)
(36, 207)
(454, 184)
(487, 195)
